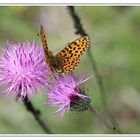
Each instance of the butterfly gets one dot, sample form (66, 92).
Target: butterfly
(67, 59)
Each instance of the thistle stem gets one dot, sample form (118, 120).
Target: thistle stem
(36, 113)
(102, 119)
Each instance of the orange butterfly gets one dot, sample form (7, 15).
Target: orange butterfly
(67, 59)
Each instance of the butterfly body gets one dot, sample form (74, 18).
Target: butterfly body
(67, 59)
(53, 63)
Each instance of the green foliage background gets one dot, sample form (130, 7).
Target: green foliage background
(114, 32)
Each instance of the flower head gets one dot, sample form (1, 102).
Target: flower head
(65, 94)
(23, 69)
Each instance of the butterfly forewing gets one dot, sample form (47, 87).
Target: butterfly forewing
(70, 55)
(44, 43)
(75, 49)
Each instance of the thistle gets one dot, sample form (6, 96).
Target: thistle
(65, 94)
(23, 69)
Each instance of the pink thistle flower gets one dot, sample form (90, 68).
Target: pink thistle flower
(65, 94)
(23, 69)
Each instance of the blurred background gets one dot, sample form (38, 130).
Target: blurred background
(115, 45)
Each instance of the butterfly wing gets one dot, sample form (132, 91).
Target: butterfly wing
(66, 65)
(48, 54)
(69, 57)
(44, 43)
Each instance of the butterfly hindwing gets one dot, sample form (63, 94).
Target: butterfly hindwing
(66, 65)
(70, 65)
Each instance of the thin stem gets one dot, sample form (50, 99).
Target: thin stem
(101, 118)
(80, 30)
(36, 113)
(77, 23)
